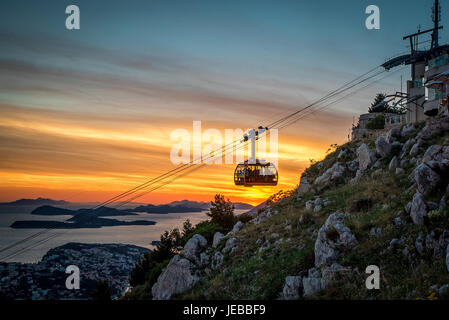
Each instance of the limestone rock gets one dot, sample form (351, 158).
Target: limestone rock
(179, 275)
(230, 244)
(304, 185)
(383, 148)
(353, 166)
(433, 153)
(194, 247)
(419, 244)
(292, 288)
(312, 284)
(237, 227)
(364, 156)
(425, 178)
(204, 259)
(218, 236)
(333, 239)
(393, 134)
(217, 260)
(418, 209)
(334, 174)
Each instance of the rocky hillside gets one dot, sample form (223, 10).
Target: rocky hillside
(380, 202)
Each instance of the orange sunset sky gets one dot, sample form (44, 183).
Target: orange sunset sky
(87, 114)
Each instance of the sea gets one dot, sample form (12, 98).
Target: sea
(136, 235)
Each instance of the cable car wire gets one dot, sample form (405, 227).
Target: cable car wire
(184, 167)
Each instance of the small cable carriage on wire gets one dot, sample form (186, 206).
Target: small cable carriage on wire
(255, 172)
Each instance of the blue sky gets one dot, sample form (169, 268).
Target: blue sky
(305, 41)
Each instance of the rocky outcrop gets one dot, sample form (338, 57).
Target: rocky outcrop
(179, 276)
(393, 134)
(230, 245)
(365, 157)
(317, 204)
(183, 270)
(418, 209)
(218, 236)
(312, 283)
(334, 174)
(437, 153)
(425, 178)
(334, 238)
(262, 216)
(292, 288)
(193, 248)
(237, 227)
(383, 148)
(304, 184)
(217, 260)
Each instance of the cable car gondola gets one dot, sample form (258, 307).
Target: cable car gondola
(255, 172)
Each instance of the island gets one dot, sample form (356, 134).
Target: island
(83, 218)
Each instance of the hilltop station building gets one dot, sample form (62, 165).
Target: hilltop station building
(428, 90)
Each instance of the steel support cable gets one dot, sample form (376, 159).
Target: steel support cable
(182, 167)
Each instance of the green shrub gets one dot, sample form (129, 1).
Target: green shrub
(222, 212)
(207, 229)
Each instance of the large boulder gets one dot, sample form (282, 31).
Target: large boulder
(304, 185)
(334, 174)
(393, 134)
(217, 260)
(312, 284)
(292, 288)
(434, 152)
(334, 239)
(437, 157)
(365, 157)
(418, 209)
(383, 148)
(231, 243)
(218, 236)
(194, 247)
(238, 226)
(425, 178)
(179, 275)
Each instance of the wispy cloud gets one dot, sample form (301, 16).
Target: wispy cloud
(78, 117)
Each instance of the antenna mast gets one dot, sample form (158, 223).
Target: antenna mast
(436, 17)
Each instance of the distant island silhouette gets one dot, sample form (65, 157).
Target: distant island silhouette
(83, 218)
(95, 218)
